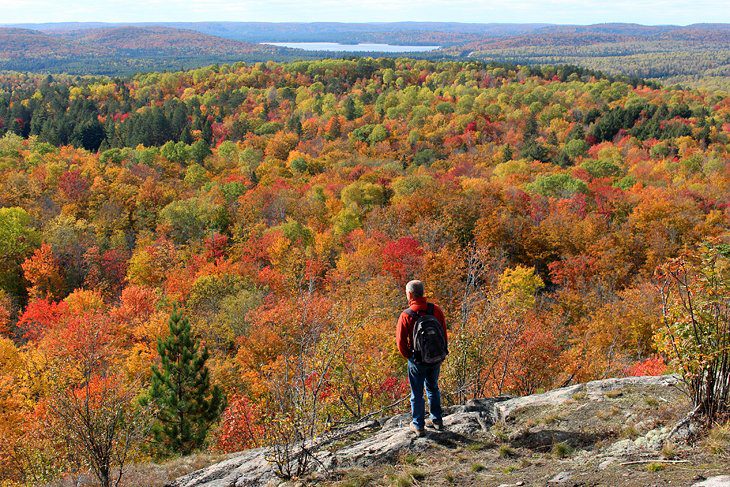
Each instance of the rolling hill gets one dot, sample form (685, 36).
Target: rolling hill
(115, 50)
(666, 53)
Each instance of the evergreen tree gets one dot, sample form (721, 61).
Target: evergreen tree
(535, 151)
(350, 109)
(531, 128)
(187, 405)
(507, 154)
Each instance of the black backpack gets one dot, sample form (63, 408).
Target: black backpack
(429, 342)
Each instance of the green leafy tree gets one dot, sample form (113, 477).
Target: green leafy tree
(188, 220)
(557, 186)
(187, 404)
(17, 241)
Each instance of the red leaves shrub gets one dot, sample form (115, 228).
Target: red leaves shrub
(215, 246)
(402, 258)
(106, 271)
(651, 366)
(394, 388)
(241, 426)
(137, 304)
(39, 316)
(73, 185)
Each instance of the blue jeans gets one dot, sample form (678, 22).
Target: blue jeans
(418, 374)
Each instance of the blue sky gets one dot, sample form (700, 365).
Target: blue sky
(650, 12)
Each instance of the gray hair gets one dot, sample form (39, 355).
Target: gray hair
(415, 288)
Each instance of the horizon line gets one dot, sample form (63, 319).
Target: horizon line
(352, 23)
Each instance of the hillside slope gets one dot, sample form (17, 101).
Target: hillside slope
(120, 49)
(601, 433)
(662, 52)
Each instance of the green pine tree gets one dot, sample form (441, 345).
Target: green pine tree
(187, 405)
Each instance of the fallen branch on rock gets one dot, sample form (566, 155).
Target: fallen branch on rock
(655, 460)
(682, 423)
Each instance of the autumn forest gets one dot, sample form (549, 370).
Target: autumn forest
(269, 215)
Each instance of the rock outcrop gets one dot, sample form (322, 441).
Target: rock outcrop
(606, 423)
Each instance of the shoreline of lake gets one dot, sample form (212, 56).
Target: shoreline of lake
(361, 47)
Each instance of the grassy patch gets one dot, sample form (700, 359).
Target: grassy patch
(669, 450)
(357, 480)
(651, 402)
(551, 418)
(408, 478)
(417, 474)
(629, 431)
(480, 445)
(154, 474)
(499, 430)
(614, 394)
(718, 440)
(408, 459)
(655, 467)
(402, 480)
(510, 468)
(580, 396)
(477, 467)
(506, 452)
(606, 414)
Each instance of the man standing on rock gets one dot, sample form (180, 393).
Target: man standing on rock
(421, 338)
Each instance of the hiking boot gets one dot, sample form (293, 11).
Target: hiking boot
(437, 424)
(418, 431)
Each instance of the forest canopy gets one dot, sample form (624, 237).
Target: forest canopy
(283, 207)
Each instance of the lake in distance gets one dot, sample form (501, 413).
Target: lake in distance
(337, 47)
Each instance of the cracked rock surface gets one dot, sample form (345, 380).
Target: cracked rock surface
(605, 423)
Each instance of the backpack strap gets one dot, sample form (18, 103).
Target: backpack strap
(416, 314)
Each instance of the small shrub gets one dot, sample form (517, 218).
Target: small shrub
(696, 323)
(509, 469)
(614, 394)
(449, 478)
(477, 467)
(562, 450)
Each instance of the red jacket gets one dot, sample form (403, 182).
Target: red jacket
(404, 329)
